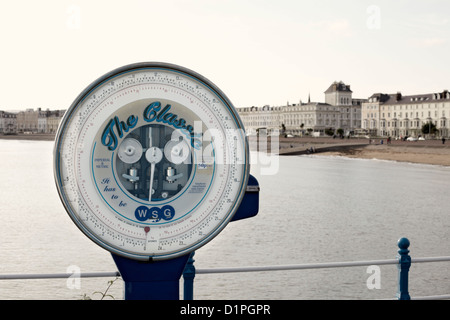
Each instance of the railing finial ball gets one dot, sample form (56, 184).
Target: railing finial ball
(403, 243)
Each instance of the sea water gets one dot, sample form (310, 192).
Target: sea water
(313, 209)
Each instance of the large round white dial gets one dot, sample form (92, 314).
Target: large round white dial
(151, 161)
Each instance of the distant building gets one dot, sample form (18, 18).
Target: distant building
(53, 120)
(8, 122)
(396, 115)
(340, 111)
(38, 121)
(27, 121)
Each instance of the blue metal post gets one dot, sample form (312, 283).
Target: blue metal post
(188, 277)
(248, 208)
(158, 280)
(404, 263)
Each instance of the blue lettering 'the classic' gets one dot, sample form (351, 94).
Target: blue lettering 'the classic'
(153, 112)
(109, 136)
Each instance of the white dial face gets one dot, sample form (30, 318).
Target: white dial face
(151, 161)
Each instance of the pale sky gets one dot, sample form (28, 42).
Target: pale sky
(257, 51)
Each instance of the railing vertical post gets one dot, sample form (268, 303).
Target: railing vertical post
(188, 277)
(404, 263)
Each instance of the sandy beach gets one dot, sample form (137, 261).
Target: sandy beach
(426, 152)
(424, 155)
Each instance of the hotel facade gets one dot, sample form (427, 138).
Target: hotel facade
(339, 111)
(395, 115)
(382, 115)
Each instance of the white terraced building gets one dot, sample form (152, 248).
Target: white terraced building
(395, 115)
(8, 122)
(340, 111)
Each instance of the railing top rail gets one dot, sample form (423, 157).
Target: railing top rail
(58, 275)
(297, 266)
(430, 259)
(317, 265)
(233, 269)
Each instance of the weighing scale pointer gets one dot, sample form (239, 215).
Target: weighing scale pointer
(153, 156)
(152, 171)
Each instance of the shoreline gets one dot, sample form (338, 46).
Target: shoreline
(31, 137)
(431, 152)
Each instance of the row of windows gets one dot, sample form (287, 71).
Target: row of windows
(298, 122)
(303, 109)
(297, 116)
(400, 124)
(405, 107)
(416, 106)
(410, 114)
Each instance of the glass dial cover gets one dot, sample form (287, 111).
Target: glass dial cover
(151, 161)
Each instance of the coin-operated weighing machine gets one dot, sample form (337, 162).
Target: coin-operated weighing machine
(151, 163)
